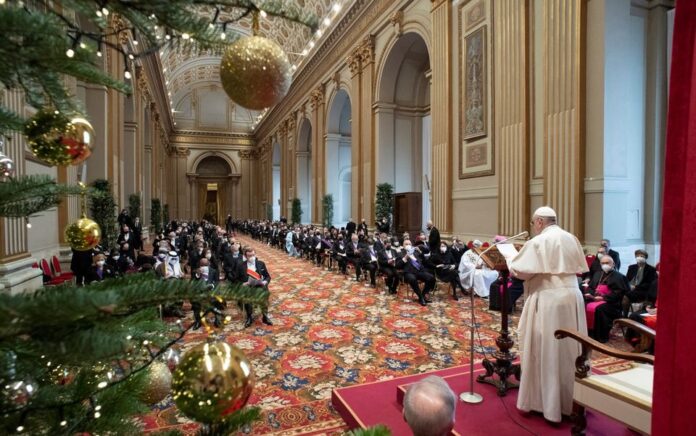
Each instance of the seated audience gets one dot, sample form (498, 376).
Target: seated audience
(603, 298)
(100, 270)
(640, 276)
(253, 272)
(473, 273)
(412, 261)
(429, 407)
(446, 267)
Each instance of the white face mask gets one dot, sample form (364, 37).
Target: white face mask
(443, 249)
(251, 259)
(606, 267)
(161, 256)
(640, 259)
(409, 249)
(208, 255)
(100, 263)
(204, 271)
(116, 257)
(600, 256)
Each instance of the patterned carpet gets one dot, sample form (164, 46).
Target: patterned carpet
(330, 331)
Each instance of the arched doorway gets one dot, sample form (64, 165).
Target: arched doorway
(403, 121)
(304, 170)
(214, 189)
(338, 156)
(275, 170)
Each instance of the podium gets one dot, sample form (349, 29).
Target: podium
(502, 367)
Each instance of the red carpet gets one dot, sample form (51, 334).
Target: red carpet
(380, 403)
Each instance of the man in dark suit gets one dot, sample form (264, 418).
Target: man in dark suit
(614, 255)
(354, 255)
(640, 276)
(211, 276)
(387, 265)
(411, 261)
(433, 236)
(383, 225)
(339, 253)
(253, 272)
(351, 227)
(370, 261)
(362, 226)
(230, 259)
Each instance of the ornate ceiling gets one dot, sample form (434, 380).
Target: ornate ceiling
(193, 79)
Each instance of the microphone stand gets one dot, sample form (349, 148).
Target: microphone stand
(472, 397)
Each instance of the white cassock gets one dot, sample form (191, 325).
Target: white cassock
(548, 264)
(479, 279)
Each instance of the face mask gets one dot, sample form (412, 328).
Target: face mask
(640, 259)
(443, 249)
(116, 257)
(409, 249)
(208, 255)
(100, 263)
(161, 256)
(251, 259)
(606, 267)
(204, 271)
(600, 256)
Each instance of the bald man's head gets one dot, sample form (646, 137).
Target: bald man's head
(429, 407)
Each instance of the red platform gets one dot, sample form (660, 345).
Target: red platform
(380, 403)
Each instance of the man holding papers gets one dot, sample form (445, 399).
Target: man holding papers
(548, 264)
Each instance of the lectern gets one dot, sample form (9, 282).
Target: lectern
(502, 367)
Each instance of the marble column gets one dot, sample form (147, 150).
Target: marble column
(147, 183)
(248, 198)
(16, 273)
(511, 116)
(193, 203)
(441, 115)
(564, 106)
(179, 204)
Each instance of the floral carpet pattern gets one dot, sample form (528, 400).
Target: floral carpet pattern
(330, 331)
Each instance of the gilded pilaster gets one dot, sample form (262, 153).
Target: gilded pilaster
(511, 117)
(248, 198)
(354, 64)
(441, 112)
(564, 108)
(318, 151)
(367, 143)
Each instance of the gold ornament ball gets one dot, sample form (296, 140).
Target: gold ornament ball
(255, 72)
(82, 235)
(159, 383)
(78, 140)
(212, 381)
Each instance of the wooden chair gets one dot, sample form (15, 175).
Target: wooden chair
(625, 396)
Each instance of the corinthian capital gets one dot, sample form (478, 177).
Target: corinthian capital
(316, 98)
(367, 51)
(354, 62)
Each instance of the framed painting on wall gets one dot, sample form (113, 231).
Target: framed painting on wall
(475, 141)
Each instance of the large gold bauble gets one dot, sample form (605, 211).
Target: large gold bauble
(82, 235)
(212, 381)
(159, 383)
(255, 72)
(78, 140)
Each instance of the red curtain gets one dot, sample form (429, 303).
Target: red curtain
(675, 348)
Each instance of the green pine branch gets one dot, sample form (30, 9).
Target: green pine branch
(27, 195)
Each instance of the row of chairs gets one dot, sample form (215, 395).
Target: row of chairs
(53, 274)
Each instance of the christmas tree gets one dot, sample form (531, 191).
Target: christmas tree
(90, 359)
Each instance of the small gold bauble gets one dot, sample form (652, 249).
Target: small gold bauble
(82, 235)
(212, 381)
(255, 72)
(159, 383)
(78, 140)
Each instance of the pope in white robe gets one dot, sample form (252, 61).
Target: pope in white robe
(548, 264)
(473, 273)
